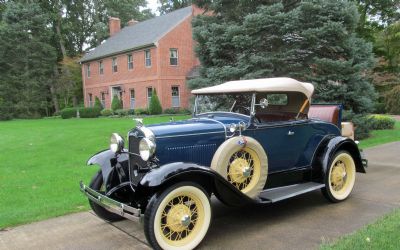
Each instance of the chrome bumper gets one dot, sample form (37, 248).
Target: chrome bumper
(111, 205)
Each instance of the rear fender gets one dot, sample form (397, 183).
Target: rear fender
(330, 147)
(107, 160)
(160, 178)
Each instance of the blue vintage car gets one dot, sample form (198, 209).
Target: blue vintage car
(250, 141)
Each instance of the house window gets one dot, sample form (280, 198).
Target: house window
(103, 99)
(132, 99)
(176, 100)
(147, 58)
(149, 94)
(88, 70)
(130, 61)
(173, 57)
(90, 100)
(114, 65)
(101, 68)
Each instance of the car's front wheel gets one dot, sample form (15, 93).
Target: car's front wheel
(97, 184)
(340, 177)
(178, 218)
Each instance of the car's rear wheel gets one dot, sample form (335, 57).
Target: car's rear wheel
(243, 162)
(97, 184)
(178, 218)
(340, 177)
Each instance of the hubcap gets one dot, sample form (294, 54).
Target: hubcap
(338, 176)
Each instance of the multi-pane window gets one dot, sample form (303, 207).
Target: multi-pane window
(114, 65)
(130, 61)
(103, 99)
(88, 70)
(173, 57)
(176, 101)
(101, 67)
(90, 100)
(149, 94)
(147, 58)
(132, 99)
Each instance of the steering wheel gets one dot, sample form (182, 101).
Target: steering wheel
(240, 108)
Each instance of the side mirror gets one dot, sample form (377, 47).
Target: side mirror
(264, 103)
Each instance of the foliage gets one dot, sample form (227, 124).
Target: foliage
(97, 103)
(140, 111)
(379, 122)
(173, 111)
(155, 105)
(393, 101)
(49, 171)
(106, 112)
(382, 136)
(68, 113)
(116, 103)
(171, 5)
(309, 40)
(380, 108)
(26, 60)
(362, 124)
(123, 112)
(91, 112)
(5, 110)
(388, 46)
(69, 82)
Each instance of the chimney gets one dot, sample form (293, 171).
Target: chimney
(132, 22)
(114, 24)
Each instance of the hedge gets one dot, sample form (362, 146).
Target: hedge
(83, 112)
(68, 113)
(379, 122)
(106, 112)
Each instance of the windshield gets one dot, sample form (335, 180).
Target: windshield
(236, 103)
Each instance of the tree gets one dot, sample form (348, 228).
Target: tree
(388, 46)
(116, 103)
(155, 106)
(171, 5)
(97, 103)
(26, 60)
(310, 40)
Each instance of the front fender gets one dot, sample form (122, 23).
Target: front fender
(107, 160)
(342, 143)
(172, 173)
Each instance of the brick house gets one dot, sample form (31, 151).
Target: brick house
(157, 53)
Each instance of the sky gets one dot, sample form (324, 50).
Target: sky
(152, 4)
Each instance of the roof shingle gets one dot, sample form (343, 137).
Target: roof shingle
(142, 34)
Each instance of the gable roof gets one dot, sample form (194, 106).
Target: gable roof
(142, 34)
(278, 84)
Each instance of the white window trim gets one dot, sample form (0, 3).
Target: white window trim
(147, 95)
(88, 70)
(145, 58)
(113, 65)
(131, 61)
(179, 96)
(177, 57)
(101, 66)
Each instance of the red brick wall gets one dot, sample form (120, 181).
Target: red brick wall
(161, 75)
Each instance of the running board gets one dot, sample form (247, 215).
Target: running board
(281, 193)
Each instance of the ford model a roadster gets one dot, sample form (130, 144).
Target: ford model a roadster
(249, 141)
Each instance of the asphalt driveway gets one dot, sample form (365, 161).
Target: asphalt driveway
(303, 222)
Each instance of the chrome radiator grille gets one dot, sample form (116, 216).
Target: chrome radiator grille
(135, 159)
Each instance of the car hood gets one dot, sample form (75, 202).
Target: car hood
(203, 124)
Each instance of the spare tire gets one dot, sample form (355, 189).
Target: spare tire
(243, 162)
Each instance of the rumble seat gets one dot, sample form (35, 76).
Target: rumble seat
(328, 113)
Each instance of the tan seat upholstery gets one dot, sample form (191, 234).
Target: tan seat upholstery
(328, 113)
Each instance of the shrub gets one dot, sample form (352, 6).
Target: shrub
(141, 111)
(68, 113)
(361, 123)
(97, 103)
(155, 106)
(92, 112)
(379, 122)
(5, 110)
(106, 112)
(393, 101)
(171, 111)
(380, 108)
(185, 111)
(116, 103)
(122, 112)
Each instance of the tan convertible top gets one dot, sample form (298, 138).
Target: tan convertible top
(278, 84)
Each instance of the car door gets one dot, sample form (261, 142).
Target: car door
(284, 143)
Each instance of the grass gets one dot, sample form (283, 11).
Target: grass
(382, 136)
(383, 234)
(42, 162)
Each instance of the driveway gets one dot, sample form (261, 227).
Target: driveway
(303, 222)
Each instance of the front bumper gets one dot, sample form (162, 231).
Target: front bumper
(111, 205)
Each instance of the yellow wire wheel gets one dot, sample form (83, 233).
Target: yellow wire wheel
(341, 176)
(244, 163)
(182, 218)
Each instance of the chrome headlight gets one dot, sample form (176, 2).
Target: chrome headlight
(233, 127)
(146, 148)
(116, 143)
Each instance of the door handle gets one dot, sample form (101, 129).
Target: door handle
(290, 133)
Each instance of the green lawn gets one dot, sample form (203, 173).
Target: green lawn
(382, 136)
(383, 234)
(42, 162)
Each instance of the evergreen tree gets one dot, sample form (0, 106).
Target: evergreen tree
(171, 5)
(310, 40)
(97, 103)
(155, 106)
(116, 103)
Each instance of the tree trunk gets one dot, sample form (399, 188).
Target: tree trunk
(54, 98)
